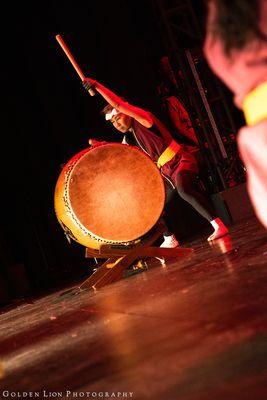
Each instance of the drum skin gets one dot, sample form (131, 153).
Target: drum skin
(112, 193)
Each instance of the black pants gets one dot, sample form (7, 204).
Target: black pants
(188, 190)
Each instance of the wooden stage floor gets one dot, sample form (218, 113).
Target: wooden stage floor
(195, 329)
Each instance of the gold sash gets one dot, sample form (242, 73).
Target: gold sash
(168, 153)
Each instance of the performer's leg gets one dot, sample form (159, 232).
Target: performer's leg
(186, 187)
(170, 240)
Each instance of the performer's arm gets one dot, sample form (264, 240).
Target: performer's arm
(142, 116)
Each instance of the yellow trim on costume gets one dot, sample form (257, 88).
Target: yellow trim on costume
(168, 153)
(255, 105)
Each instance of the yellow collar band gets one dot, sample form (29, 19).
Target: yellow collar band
(255, 105)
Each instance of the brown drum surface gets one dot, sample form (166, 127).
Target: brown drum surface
(116, 192)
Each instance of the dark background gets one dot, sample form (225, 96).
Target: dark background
(49, 118)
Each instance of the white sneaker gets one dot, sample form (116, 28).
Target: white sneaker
(170, 242)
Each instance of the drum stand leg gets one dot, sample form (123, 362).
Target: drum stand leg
(119, 259)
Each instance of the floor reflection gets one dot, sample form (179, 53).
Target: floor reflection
(223, 245)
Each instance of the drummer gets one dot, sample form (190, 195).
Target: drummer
(178, 167)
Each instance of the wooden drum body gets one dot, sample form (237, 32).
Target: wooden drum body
(112, 193)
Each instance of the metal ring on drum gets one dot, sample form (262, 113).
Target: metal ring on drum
(112, 193)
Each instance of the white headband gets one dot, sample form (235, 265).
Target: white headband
(109, 115)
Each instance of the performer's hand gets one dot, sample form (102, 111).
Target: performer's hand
(89, 85)
(94, 143)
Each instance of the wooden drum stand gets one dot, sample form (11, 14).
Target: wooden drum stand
(121, 257)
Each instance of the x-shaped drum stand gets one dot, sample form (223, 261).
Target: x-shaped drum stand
(121, 257)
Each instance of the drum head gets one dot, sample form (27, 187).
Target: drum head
(116, 192)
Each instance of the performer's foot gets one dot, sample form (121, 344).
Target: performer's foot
(136, 268)
(220, 230)
(170, 242)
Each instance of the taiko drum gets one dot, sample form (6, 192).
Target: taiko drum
(112, 193)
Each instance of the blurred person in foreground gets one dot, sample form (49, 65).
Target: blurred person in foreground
(236, 50)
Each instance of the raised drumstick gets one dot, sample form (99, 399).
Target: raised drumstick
(72, 60)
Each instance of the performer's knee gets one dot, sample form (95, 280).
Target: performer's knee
(184, 192)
